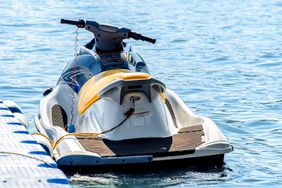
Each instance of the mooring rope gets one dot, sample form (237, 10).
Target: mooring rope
(92, 135)
(25, 155)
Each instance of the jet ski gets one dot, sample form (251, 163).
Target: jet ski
(108, 110)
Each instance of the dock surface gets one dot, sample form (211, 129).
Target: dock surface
(23, 162)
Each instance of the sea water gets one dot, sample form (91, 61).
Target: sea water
(223, 58)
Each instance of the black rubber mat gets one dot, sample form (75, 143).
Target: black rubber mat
(59, 116)
(169, 107)
(182, 143)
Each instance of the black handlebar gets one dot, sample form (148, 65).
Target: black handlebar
(136, 36)
(80, 23)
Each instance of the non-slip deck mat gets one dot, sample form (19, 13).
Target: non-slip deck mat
(184, 142)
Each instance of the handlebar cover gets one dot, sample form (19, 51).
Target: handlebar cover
(80, 23)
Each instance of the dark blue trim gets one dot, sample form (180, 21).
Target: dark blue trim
(29, 142)
(7, 115)
(38, 152)
(44, 165)
(14, 109)
(58, 181)
(76, 88)
(21, 132)
(14, 123)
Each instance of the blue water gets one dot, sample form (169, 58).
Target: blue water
(224, 58)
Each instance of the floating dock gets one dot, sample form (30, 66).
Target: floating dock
(23, 162)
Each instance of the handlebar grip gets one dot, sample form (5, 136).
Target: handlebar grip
(148, 39)
(80, 23)
(137, 36)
